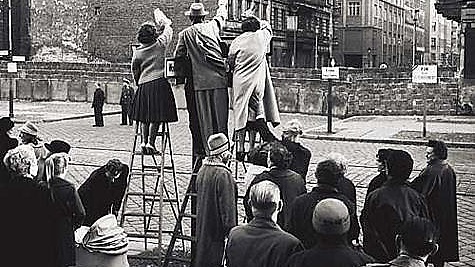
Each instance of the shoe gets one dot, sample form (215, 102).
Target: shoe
(151, 150)
(143, 148)
(123, 124)
(240, 156)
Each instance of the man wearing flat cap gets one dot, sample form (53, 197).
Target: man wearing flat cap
(103, 191)
(6, 143)
(216, 203)
(388, 207)
(331, 222)
(300, 154)
(126, 97)
(206, 90)
(437, 183)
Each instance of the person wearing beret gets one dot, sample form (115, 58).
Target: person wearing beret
(6, 143)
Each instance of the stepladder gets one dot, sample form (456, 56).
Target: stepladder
(151, 203)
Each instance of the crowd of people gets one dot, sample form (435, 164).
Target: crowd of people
(40, 205)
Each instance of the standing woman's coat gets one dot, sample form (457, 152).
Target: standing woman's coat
(437, 183)
(68, 214)
(251, 75)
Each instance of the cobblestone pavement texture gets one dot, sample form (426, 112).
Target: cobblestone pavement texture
(92, 147)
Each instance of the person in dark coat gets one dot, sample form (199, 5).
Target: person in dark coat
(67, 209)
(26, 234)
(382, 177)
(300, 154)
(261, 242)
(290, 183)
(6, 143)
(103, 191)
(388, 207)
(126, 97)
(216, 203)
(331, 221)
(437, 183)
(301, 211)
(97, 104)
(345, 185)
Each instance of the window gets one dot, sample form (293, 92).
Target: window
(433, 42)
(434, 26)
(354, 8)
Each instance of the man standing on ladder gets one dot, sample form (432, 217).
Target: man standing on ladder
(199, 46)
(216, 205)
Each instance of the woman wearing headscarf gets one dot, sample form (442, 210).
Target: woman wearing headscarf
(25, 227)
(67, 209)
(6, 143)
(154, 101)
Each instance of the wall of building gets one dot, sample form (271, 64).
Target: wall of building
(298, 90)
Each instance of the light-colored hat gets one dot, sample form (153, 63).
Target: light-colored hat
(217, 144)
(331, 217)
(196, 10)
(106, 236)
(294, 126)
(29, 128)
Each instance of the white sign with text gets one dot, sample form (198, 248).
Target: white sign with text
(330, 73)
(425, 74)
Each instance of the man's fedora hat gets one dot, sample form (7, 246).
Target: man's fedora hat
(196, 10)
(29, 128)
(58, 146)
(217, 144)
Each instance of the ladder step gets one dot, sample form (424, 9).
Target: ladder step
(158, 153)
(145, 173)
(191, 194)
(181, 259)
(140, 214)
(167, 200)
(189, 215)
(186, 237)
(156, 231)
(141, 235)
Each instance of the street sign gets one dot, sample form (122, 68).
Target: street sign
(12, 67)
(18, 58)
(330, 73)
(424, 74)
(292, 23)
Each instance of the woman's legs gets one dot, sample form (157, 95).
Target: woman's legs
(153, 131)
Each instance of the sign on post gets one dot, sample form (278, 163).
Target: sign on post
(330, 73)
(12, 67)
(425, 74)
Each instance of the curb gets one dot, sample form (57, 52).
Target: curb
(69, 118)
(384, 141)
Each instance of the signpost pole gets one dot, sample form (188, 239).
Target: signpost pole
(424, 116)
(10, 53)
(330, 106)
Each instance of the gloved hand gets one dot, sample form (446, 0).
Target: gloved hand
(161, 18)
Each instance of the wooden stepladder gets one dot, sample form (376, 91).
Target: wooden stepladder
(151, 200)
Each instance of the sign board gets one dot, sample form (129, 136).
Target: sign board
(170, 68)
(12, 67)
(18, 58)
(331, 73)
(424, 74)
(292, 22)
(4, 53)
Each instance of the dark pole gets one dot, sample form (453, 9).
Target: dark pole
(10, 53)
(330, 107)
(10, 100)
(424, 116)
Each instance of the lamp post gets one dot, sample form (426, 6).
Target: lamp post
(316, 46)
(416, 12)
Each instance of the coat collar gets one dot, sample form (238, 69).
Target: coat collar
(216, 164)
(262, 222)
(325, 187)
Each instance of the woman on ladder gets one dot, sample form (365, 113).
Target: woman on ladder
(154, 101)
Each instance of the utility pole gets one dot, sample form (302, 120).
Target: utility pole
(10, 53)
(416, 12)
(316, 46)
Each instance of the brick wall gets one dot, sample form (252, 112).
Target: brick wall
(298, 90)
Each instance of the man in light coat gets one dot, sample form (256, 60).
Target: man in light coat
(216, 203)
(254, 101)
(205, 84)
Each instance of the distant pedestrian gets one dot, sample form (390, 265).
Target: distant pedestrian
(331, 222)
(300, 154)
(388, 207)
(154, 101)
(6, 143)
(416, 240)
(26, 224)
(216, 203)
(261, 242)
(97, 104)
(382, 161)
(437, 183)
(67, 209)
(103, 191)
(290, 183)
(328, 175)
(254, 102)
(126, 97)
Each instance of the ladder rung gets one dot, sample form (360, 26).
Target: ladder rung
(141, 235)
(175, 258)
(158, 153)
(163, 231)
(168, 200)
(144, 257)
(189, 215)
(157, 167)
(145, 173)
(186, 237)
(191, 194)
(140, 214)
(151, 195)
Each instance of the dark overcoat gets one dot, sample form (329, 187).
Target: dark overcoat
(437, 183)
(301, 213)
(384, 211)
(68, 214)
(300, 157)
(260, 243)
(6, 143)
(216, 212)
(290, 184)
(100, 196)
(98, 100)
